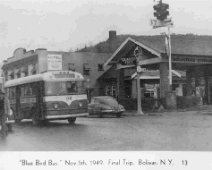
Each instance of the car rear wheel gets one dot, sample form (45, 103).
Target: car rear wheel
(17, 118)
(44, 122)
(71, 120)
(118, 115)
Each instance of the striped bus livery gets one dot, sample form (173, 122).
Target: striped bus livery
(48, 96)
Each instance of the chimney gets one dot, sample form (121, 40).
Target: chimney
(112, 35)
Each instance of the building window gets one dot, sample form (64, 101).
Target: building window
(27, 90)
(33, 69)
(18, 73)
(111, 90)
(6, 75)
(71, 67)
(100, 67)
(12, 92)
(11, 75)
(24, 71)
(86, 69)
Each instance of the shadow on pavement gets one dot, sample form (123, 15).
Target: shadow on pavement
(49, 124)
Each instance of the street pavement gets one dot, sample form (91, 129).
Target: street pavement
(182, 130)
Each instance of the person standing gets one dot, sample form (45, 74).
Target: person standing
(4, 129)
(4, 112)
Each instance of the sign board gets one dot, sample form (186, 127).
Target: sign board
(176, 73)
(120, 66)
(140, 69)
(127, 60)
(191, 60)
(64, 74)
(157, 23)
(54, 62)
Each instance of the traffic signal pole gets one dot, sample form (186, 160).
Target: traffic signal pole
(139, 108)
(161, 12)
(137, 54)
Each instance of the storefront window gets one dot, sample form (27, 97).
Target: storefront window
(111, 90)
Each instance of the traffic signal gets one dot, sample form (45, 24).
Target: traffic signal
(161, 11)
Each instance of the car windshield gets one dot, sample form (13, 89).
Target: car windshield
(108, 101)
(63, 88)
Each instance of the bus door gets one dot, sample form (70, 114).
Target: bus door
(37, 88)
(40, 98)
(12, 97)
(27, 100)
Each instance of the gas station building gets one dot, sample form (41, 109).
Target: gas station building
(191, 64)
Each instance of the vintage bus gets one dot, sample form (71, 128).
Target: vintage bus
(48, 96)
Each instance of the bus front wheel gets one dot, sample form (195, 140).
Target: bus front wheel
(17, 120)
(72, 120)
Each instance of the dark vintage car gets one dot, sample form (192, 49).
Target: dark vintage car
(104, 105)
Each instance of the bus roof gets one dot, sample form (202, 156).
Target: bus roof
(47, 76)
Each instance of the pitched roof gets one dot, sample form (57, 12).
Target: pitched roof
(187, 44)
(180, 44)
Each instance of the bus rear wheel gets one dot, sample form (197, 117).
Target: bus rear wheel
(35, 120)
(71, 120)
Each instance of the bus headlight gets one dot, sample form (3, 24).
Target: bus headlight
(56, 106)
(80, 104)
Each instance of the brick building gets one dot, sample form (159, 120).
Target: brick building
(24, 63)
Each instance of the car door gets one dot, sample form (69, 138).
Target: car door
(97, 106)
(91, 107)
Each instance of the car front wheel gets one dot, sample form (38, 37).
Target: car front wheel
(71, 120)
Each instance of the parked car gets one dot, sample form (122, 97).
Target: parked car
(104, 105)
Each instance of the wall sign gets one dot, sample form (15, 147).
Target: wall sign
(197, 60)
(54, 62)
(127, 61)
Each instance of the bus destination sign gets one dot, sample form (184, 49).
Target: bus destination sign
(64, 74)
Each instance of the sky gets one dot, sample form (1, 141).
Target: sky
(64, 25)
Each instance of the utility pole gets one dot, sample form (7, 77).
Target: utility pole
(170, 58)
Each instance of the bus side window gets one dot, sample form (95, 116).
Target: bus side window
(28, 90)
(71, 87)
(22, 91)
(33, 89)
(12, 92)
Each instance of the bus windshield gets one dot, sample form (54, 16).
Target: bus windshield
(63, 88)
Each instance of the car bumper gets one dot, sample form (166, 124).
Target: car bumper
(65, 116)
(113, 111)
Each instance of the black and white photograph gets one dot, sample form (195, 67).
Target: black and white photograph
(116, 79)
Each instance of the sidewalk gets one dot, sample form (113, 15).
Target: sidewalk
(204, 109)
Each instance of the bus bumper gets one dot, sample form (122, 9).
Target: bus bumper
(66, 116)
